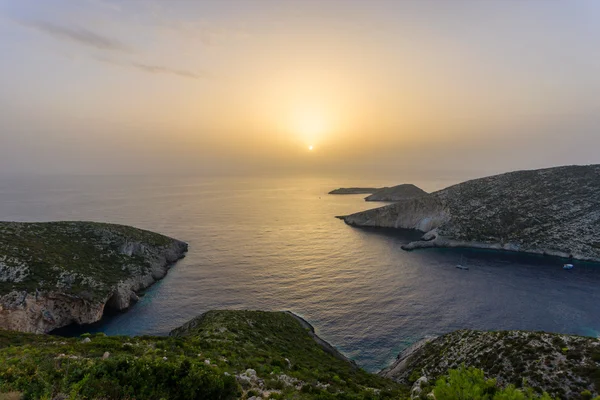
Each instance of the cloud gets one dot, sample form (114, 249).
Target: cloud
(98, 41)
(156, 69)
(79, 35)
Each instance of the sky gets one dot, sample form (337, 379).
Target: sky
(246, 87)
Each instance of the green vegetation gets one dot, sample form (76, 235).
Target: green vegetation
(562, 365)
(220, 355)
(245, 354)
(85, 259)
(470, 384)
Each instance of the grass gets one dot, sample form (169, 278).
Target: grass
(207, 358)
(77, 258)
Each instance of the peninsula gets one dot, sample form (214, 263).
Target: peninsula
(394, 193)
(397, 193)
(354, 190)
(554, 211)
(58, 273)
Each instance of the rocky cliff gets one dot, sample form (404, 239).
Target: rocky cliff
(396, 193)
(420, 213)
(553, 211)
(561, 365)
(58, 273)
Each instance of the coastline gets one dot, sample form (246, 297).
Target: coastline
(328, 348)
(46, 311)
(431, 240)
(401, 361)
(508, 247)
(127, 291)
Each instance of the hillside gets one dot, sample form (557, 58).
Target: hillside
(553, 211)
(396, 193)
(57, 273)
(257, 355)
(562, 365)
(219, 355)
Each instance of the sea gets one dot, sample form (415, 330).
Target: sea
(275, 244)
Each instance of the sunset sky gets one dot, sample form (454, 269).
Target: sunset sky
(239, 87)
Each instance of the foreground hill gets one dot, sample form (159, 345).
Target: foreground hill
(58, 273)
(553, 211)
(397, 193)
(258, 355)
(562, 365)
(219, 355)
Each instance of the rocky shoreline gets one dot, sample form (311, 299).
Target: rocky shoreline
(552, 212)
(401, 363)
(441, 242)
(326, 346)
(76, 271)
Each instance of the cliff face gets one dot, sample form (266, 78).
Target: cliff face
(396, 193)
(553, 211)
(420, 213)
(562, 365)
(59, 273)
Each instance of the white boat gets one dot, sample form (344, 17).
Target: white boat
(568, 266)
(461, 266)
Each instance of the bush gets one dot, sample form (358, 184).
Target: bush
(586, 395)
(143, 378)
(470, 384)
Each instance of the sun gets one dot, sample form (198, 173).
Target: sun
(310, 147)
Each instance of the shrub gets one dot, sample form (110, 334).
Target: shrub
(470, 384)
(586, 395)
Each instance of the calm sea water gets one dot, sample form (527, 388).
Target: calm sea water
(274, 244)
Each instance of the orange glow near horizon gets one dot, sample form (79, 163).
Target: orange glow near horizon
(316, 86)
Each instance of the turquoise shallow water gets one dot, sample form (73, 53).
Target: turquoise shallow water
(274, 244)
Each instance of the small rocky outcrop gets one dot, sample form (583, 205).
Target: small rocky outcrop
(397, 193)
(354, 190)
(562, 365)
(59, 273)
(553, 211)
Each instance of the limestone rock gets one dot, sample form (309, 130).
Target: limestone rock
(549, 362)
(553, 211)
(80, 268)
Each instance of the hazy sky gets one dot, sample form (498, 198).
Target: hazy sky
(101, 86)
